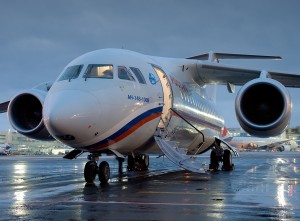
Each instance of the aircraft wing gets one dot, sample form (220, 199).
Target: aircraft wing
(210, 71)
(273, 145)
(215, 73)
(3, 107)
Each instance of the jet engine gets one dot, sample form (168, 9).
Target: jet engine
(263, 107)
(25, 113)
(284, 148)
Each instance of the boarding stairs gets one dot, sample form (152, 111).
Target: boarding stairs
(180, 142)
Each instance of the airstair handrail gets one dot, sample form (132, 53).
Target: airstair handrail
(188, 122)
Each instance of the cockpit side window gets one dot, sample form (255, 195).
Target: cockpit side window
(138, 75)
(71, 72)
(124, 74)
(99, 71)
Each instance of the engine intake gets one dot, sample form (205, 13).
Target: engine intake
(25, 114)
(263, 107)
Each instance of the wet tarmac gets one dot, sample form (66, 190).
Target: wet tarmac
(263, 186)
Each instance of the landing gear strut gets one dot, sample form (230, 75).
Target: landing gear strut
(120, 162)
(91, 170)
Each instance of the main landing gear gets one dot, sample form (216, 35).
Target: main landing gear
(227, 161)
(91, 169)
(138, 163)
(218, 155)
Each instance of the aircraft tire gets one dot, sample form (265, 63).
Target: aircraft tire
(227, 161)
(214, 162)
(142, 162)
(104, 172)
(90, 171)
(130, 163)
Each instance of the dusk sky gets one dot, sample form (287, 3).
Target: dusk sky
(38, 38)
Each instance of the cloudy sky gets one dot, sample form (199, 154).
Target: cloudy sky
(38, 38)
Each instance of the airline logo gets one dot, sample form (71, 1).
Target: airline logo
(152, 79)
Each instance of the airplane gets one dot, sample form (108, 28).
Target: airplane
(5, 148)
(124, 103)
(251, 143)
(3, 151)
(248, 143)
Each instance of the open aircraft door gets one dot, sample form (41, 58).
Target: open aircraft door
(167, 96)
(174, 150)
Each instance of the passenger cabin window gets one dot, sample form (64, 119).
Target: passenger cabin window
(71, 72)
(124, 74)
(138, 75)
(99, 71)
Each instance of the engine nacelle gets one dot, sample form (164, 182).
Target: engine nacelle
(25, 113)
(284, 148)
(263, 107)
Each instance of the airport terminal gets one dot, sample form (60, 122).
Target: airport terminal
(291, 134)
(21, 145)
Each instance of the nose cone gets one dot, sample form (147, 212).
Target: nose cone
(71, 116)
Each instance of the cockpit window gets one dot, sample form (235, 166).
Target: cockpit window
(138, 75)
(71, 72)
(124, 74)
(99, 71)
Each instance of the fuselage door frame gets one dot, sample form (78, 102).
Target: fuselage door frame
(167, 96)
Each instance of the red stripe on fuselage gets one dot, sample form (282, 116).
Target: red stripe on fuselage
(128, 132)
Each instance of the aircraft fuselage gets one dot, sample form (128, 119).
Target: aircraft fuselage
(116, 99)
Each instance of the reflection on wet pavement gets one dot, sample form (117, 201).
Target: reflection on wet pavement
(264, 186)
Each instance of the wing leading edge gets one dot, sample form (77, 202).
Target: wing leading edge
(214, 73)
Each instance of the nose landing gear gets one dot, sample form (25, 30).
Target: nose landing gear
(104, 172)
(139, 162)
(91, 170)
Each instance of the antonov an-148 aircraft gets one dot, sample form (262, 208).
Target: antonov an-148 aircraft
(119, 102)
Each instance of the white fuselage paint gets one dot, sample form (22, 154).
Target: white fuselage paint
(96, 114)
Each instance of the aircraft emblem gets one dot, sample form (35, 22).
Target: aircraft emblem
(152, 79)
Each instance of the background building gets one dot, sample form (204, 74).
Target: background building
(290, 133)
(21, 145)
